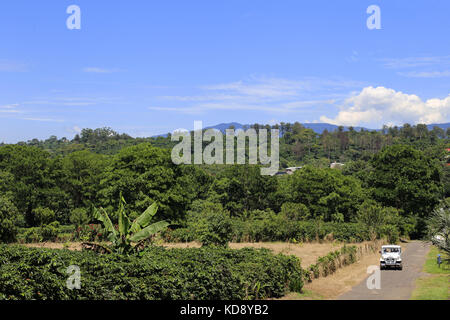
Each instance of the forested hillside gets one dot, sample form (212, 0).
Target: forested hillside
(391, 181)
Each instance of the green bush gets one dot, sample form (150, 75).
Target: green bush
(210, 223)
(328, 264)
(43, 216)
(295, 211)
(215, 229)
(179, 235)
(8, 217)
(79, 217)
(175, 274)
(32, 235)
(50, 231)
(273, 227)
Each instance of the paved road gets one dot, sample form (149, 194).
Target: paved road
(395, 284)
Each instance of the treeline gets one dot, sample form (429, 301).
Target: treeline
(298, 145)
(399, 185)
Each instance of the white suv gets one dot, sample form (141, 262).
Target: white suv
(391, 257)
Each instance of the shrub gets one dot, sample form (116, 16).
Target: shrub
(8, 217)
(179, 235)
(328, 264)
(32, 235)
(215, 229)
(197, 274)
(208, 223)
(295, 211)
(43, 216)
(50, 231)
(90, 232)
(79, 217)
(272, 227)
(390, 232)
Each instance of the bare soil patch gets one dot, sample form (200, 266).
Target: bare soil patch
(74, 246)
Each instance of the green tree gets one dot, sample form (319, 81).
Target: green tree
(214, 228)
(82, 174)
(438, 227)
(406, 179)
(43, 216)
(371, 214)
(146, 174)
(79, 217)
(379, 220)
(32, 186)
(325, 192)
(295, 211)
(8, 216)
(241, 188)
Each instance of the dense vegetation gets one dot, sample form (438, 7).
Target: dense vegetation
(189, 274)
(61, 189)
(391, 182)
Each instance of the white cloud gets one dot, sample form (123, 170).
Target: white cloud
(426, 74)
(99, 70)
(69, 101)
(42, 119)
(374, 107)
(9, 108)
(413, 62)
(278, 88)
(262, 94)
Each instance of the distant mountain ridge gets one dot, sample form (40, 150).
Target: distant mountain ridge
(316, 127)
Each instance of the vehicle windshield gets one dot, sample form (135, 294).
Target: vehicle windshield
(389, 250)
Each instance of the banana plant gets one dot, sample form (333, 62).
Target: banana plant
(129, 235)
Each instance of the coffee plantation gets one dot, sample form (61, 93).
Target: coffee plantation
(199, 274)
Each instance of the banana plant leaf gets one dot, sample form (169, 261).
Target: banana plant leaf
(144, 219)
(102, 216)
(149, 231)
(124, 221)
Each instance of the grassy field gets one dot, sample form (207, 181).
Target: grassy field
(436, 284)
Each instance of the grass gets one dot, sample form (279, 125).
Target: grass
(432, 267)
(435, 285)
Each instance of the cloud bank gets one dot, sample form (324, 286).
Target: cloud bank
(373, 107)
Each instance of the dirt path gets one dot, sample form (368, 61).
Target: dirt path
(342, 280)
(395, 284)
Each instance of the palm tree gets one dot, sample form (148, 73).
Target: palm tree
(439, 227)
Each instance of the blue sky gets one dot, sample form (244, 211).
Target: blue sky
(149, 67)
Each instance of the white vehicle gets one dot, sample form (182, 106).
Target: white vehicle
(391, 257)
